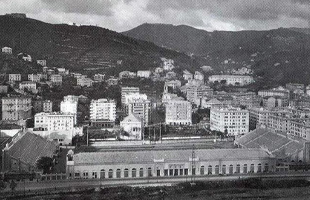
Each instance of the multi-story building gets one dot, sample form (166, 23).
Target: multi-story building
(34, 77)
(4, 89)
(16, 108)
(29, 85)
(178, 112)
(144, 73)
(128, 90)
(272, 102)
(103, 109)
(43, 106)
(99, 77)
(295, 86)
(237, 80)
(41, 62)
(194, 93)
(168, 64)
(171, 85)
(56, 79)
(278, 92)
(233, 120)
(71, 98)
(199, 76)
(139, 105)
(63, 71)
(15, 77)
(6, 50)
(69, 107)
(87, 82)
(127, 74)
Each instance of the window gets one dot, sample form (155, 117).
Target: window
(77, 174)
(158, 172)
(202, 170)
(85, 174)
(186, 172)
(231, 169)
(149, 171)
(126, 173)
(217, 169)
(94, 175)
(102, 174)
(266, 168)
(166, 172)
(110, 173)
(118, 173)
(133, 172)
(238, 169)
(245, 168)
(181, 172)
(170, 172)
(259, 168)
(252, 168)
(141, 172)
(176, 172)
(210, 169)
(223, 169)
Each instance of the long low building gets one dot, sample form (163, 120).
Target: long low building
(160, 163)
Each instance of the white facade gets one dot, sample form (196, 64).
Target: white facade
(29, 85)
(133, 125)
(54, 121)
(235, 120)
(99, 77)
(179, 112)
(15, 77)
(199, 76)
(41, 62)
(7, 50)
(103, 109)
(34, 77)
(128, 90)
(84, 82)
(69, 107)
(168, 64)
(56, 79)
(187, 75)
(232, 79)
(139, 105)
(144, 74)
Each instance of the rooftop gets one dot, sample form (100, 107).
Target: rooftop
(142, 156)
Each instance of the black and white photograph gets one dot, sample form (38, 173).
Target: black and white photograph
(154, 99)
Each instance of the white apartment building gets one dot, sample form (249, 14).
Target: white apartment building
(103, 109)
(47, 106)
(139, 105)
(71, 98)
(41, 62)
(168, 64)
(99, 77)
(29, 85)
(144, 73)
(195, 93)
(56, 79)
(232, 79)
(34, 77)
(178, 112)
(87, 82)
(133, 125)
(279, 92)
(16, 108)
(128, 90)
(6, 50)
(234, 120)
(15, 77)
(173, 84)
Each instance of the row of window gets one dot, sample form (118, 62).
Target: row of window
(177, 171)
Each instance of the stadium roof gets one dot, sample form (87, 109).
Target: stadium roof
(276, 143)
(151, 156)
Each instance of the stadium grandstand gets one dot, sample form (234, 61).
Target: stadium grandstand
(22, 153)
(283, 146)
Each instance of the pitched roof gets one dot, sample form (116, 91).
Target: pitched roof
(132, 118)
(147, 155)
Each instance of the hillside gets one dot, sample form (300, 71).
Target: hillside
(279, 55)
(88, 48)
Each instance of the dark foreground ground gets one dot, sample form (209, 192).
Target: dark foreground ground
(240, 189)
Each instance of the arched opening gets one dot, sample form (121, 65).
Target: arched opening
(202, 170)
(259, 168)
(266, 168)
(231, 169)
(210, 169)
(110, 173)
(126, 173)
(118, 173)
(141, 172)
(245, 168)
(217, 169)
(149, 171)
(133, 172)
(102, 174)
(238, 169)
(223, 169)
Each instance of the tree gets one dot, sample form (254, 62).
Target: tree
(223, 82)
(45, 164)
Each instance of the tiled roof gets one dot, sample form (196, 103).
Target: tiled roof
(29, 147)
(145, 156)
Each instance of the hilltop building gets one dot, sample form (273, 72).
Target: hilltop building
(7, 50)
(236, 80)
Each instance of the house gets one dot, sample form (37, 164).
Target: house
(127, 74)
(56, 79)
(99, 77)
(87, 82)
(62, 71)
(15, 77)
(29, 85)
(24, 57)
(144, 74)
(6, 50)
(3, 89)
(159, 70)
(187, 75)
(34, 77)
(171, 75)
(41, 62)
(133, 125)
(199, 76)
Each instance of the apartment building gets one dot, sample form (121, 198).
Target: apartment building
(144, 73)
(139, 105)
(29, 85)
(69, 106)
(199, 76)
(279, 92)
(187, 75)
(128, 90)
(15, 77)
(84, 82)
(16, 108)
(56, 79)
(103, 109)
(237, 80)
(34, 77)
(6, 50)
(43, 106)
(178, 112)
(234, 120)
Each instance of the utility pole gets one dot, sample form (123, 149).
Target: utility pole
(193, 165)
(160, 133)
(87, 135)
(154, 134)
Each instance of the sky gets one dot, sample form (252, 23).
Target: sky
(122, 15)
